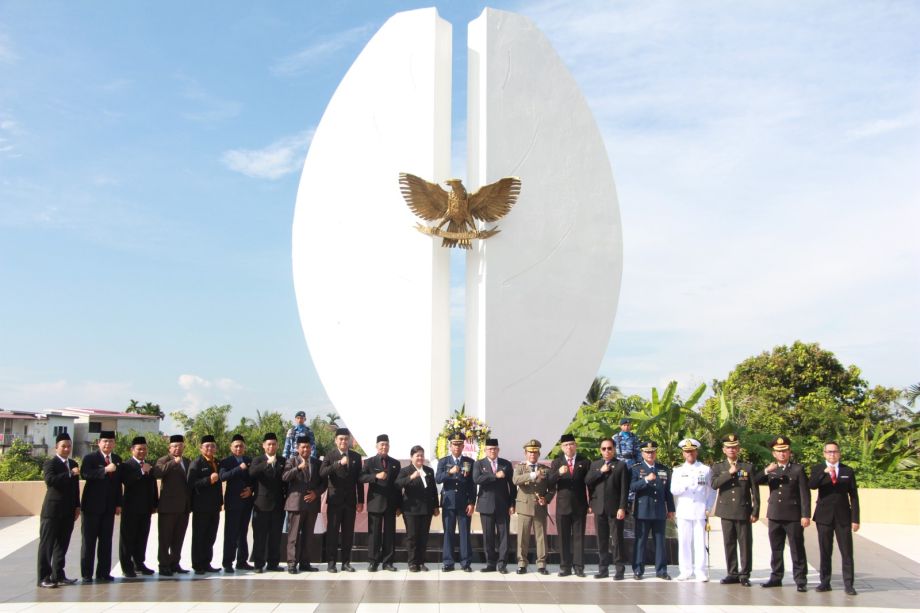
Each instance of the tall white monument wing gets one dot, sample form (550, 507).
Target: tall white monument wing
(542, 294)
(372, 291)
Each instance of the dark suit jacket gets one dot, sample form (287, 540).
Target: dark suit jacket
(140, 495)
(418, 499)
(299, 485)
(495, 495)
(739, 496)
(102, 492)
(63, 493)
(837, 503)
(653, 498)
(237, 480)
(345, 487)
(571, 493)
(790, 498)
(457, 490)
(206, 496)
(608, 491)
(382, 494)
(175, 496)
(270, 489)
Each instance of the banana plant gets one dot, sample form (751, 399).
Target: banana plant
(666, 419)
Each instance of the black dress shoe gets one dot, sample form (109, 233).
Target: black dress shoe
(503, 569)
(849, 591)
(229, 570)
(259, 570)
(729, 580)
(565, 573)
(166, 573)
(244, 566)
(372, 568)
(522, 570)
(292, 570)
(211, 569)
(487, 569)
(772, 583)
(466, 569)
(331, 568)
(346, 566)
(106, 578)
(447, 569)
(664, 576)
(65, 581)
(579, 573)
(47, 583)
(180, 570)
(144, 570)
(87, 580)
(542, 571)
(413, 568)
(274, 569)
(423, 568)
(308, 568)
(801, 588)
(200, 571)
(602, 574)
(389, 567)
(745, 582)
(129, 573)
(637, 576)
(823, 588)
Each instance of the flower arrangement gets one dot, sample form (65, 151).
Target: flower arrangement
(474, 430)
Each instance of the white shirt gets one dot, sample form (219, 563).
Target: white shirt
(692, 493)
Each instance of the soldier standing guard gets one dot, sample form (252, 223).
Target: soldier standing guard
(654, 506)
(531, 504)
(626, 443)
(788, 512)
(738, 504)
(693, 498)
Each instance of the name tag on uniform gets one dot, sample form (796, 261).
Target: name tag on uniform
(663, 475)
(844, 477)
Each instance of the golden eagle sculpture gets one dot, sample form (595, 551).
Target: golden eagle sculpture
(457, 209)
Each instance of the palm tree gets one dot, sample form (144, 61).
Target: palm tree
(912, 393)
(601, 392)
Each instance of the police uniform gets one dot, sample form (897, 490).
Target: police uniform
(738, 504)
(653, 504)
(788, 505)
(457, 493)
(531, 504)
(693, 498)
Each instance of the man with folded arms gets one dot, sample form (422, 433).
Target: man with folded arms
(60, 510)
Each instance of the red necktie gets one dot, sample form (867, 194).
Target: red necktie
(572, 464)
(107, 462)
(833, 475)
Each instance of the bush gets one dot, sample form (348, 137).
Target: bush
(18, 464)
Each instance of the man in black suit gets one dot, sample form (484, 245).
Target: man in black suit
(567, 474)
(383, 505)
(788, 513)
(234, 471)
(207, 498)
(608, 484)
(268, 513)
(305, 489)
(836, 514)
(174, 506)
(60, 510)
(101, 502)
(497, 494)
(139, 503)
(344, 499)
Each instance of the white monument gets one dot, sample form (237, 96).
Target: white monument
(373, 292)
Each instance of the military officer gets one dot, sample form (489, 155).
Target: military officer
(651, 482)
(238, 499)
(458, 497)
(60, 509)
(101, 502)
(788, 513)
(738, 504)
(344, 499)
(174, 506)
(140, 501)
(626, 444)
(608, 487)
(567, 475)
(383, 505)
(531, 504)
(266, 473)
(836, 514)
(495, 505)
(207, 498)
(693, 498)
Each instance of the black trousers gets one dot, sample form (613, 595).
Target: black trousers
(53, 542)
(97, 543)
(779, 532)
(381, 537)
(236, 531)
(133, 531)
(737, 538)
(417, 529)
(495, 524)
(610, 547)
(844, 534)
(571, 528)
(171, 529)
(266, 537)
(204, 533)
(339, 518)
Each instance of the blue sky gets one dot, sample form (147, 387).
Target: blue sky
(766, 159)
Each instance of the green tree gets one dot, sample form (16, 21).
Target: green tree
(601, 392)
(157, 445)
(148, 408)
(18, 464)
(253, 430)
(667, 419)
(911, 393)
(212, 420)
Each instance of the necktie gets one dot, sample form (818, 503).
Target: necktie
(494, 467)
(533, 468)
(834, 475)
(384, 463)
(107, 462)
(571, 464)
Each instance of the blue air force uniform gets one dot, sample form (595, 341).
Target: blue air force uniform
(653, 503)
(457, 492)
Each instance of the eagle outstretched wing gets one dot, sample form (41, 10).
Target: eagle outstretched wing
(492, 202)
(427, 200)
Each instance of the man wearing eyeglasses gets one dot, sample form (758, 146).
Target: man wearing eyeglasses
(608, 485)
(836, 514)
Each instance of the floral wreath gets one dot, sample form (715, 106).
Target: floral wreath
(473, 429)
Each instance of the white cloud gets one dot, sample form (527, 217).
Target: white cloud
(317, 54)
(280, 158)
(201, 393)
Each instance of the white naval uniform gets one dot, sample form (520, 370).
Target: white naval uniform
(693, 497)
